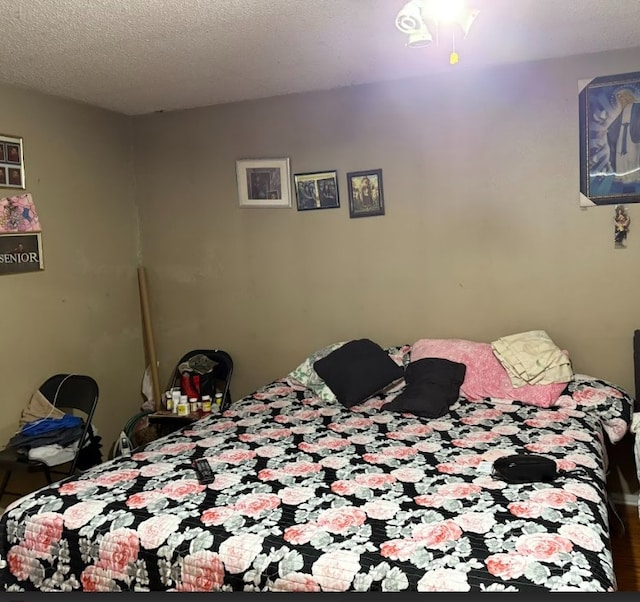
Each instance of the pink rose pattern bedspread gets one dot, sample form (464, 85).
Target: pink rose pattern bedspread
(312, 496)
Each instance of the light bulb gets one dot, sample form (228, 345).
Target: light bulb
(445, 11)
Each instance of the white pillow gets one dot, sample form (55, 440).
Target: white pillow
(307, 376)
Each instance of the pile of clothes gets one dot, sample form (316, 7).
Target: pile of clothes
(50, 436)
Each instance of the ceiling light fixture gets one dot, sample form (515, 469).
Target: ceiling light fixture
(420, 20)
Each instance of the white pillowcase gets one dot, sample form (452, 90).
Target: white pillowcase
(306, 375)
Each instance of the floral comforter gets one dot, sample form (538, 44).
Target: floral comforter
(312, 496)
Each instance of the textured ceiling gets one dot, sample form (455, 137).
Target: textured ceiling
(138, 56)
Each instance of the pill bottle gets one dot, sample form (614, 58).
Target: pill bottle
(219, 399)
(175, 397)
(193, 404)
(183, 407)
(206, 404)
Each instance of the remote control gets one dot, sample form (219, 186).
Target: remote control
(203, 470)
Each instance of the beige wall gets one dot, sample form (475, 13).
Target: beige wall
(483, 235)
(81, 314)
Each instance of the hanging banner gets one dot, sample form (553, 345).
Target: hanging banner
(21, 253)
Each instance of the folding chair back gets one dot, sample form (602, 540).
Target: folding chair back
(68, 393)
(222, 371)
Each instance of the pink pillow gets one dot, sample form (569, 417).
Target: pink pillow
(485, 376)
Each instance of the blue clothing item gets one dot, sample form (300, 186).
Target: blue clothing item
(61, 437)
(45, 425)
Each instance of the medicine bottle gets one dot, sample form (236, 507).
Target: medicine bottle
(175, 397)
(183, 406)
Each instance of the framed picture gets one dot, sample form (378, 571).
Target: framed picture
(365, 193)
(316, 190)
(21, 253)
(11, 162)
(263, 182)
(609, 109)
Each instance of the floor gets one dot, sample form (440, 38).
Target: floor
(626, 548)
(22, 482)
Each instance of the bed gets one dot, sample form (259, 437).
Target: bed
(311, 495)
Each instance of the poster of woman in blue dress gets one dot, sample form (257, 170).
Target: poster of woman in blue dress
(610, 140)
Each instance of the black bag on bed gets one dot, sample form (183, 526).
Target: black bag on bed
(525, 468)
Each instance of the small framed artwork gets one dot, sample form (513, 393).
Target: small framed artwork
(365, 193)
(316, 190)
(15, 177)
(11, 162)
(21, 253)
(609, 110)
(263, 182)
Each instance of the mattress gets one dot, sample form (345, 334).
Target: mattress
(312, 496)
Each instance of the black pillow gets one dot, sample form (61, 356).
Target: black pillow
(433, 384)
(357, 370)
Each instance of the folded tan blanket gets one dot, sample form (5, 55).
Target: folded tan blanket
(38, 407)
(532, 358)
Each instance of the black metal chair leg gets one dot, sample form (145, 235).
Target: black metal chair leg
(5, 481)
(47, 473)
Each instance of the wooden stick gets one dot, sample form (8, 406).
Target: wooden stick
(149, 344)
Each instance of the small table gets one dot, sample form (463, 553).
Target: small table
(167, 421)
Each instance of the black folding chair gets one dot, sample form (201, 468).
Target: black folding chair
(222, 372)
(68, 393)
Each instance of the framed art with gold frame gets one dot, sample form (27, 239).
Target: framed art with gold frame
(21, 252)
(11, 162)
